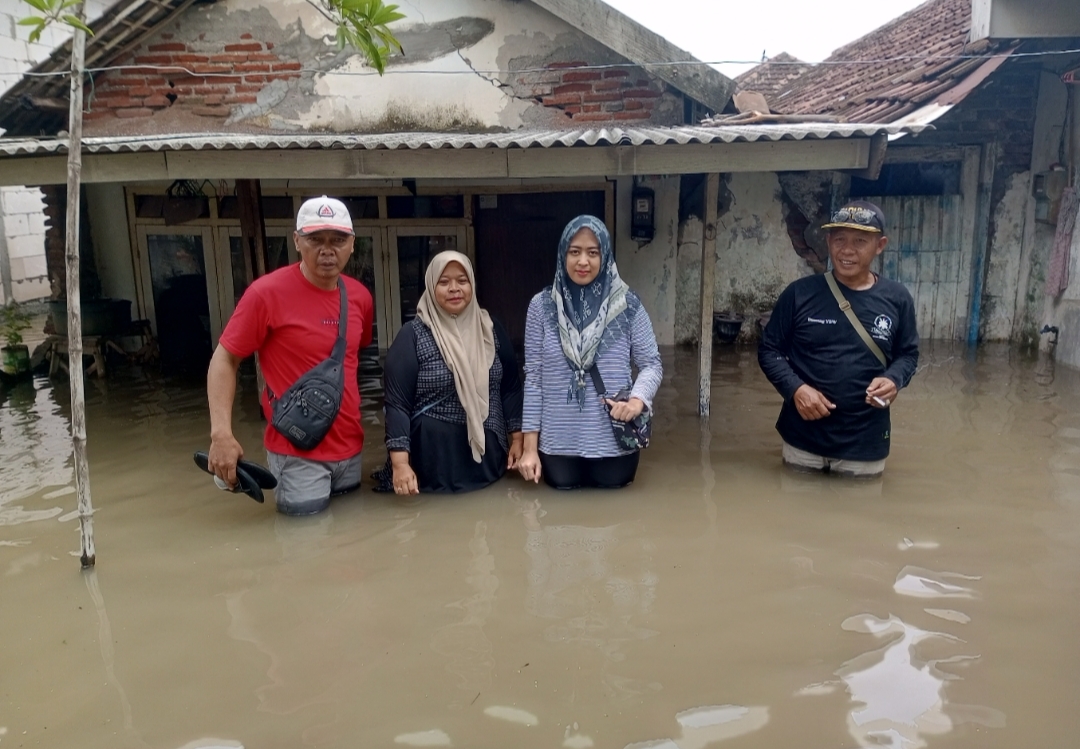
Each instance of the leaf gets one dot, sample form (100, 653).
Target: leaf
(32, 21)
(77, 23)
(36, 33)
(39, 4)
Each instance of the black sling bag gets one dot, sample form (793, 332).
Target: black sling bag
(306, 411)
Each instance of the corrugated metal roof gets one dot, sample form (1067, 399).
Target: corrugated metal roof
(637, 136)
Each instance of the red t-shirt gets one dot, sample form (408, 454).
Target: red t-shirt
(293, 324)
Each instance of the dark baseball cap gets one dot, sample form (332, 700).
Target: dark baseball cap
(858, 214)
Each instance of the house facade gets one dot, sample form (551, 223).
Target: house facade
(23, 272)
(505, 120)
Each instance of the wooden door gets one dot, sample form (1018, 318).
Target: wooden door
(516, 242)
(925, 254)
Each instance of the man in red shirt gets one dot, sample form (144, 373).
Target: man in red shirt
(290, 318)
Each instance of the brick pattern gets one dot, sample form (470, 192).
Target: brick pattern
(23, 225)
(198, 77)
(612, 95)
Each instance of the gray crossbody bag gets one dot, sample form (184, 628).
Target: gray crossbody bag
(845, 307)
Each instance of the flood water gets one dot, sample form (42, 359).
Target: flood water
(719, 601)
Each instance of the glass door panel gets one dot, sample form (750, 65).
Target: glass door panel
(236, 274)
(365, 266)
(412, 248)
(179, 281)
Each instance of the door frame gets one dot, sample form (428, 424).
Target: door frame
(211, 266)
(224, 260)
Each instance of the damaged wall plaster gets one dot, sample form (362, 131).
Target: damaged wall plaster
(1010, 223)
(755, 260)
(273, 64)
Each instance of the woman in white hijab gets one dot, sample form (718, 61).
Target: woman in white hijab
(453, 394)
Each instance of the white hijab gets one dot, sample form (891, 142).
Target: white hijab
(467, 344)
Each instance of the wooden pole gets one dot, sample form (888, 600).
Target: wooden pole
(252, 225)
(74, 301)
(708, 274)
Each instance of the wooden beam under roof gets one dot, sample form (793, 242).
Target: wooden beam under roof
(642, 46)
(464, 163)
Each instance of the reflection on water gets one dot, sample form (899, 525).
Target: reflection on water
(718, 601)
(464, 643)
(35, 450)
(570, 581)
(902, 695)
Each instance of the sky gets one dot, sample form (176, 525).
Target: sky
(715, 30)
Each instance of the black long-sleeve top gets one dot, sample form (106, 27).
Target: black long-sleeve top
(810, 341)
(416, 380)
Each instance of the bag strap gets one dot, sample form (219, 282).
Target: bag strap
(597, 380)
(338, 352)
(845, 307)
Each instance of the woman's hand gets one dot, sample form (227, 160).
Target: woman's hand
(528, 464)
(517, 447)
(626, 410)
(404, 476)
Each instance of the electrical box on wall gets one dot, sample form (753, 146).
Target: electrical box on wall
(1048, 187)
(643, 214)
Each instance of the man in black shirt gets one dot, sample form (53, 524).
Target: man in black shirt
(837, 392)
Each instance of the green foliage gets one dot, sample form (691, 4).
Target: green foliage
(52, 11)
(362, 24)
(13, 321)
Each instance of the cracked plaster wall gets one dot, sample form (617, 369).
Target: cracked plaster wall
(755, 260)
(1010, 226)
(443, 83)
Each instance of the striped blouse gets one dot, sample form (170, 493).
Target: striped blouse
(564, 428)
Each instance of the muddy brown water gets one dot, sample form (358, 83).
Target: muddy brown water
(719, 601)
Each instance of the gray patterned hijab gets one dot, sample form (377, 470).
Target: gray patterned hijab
(583, 313)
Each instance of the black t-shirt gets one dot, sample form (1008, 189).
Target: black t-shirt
(810, 341)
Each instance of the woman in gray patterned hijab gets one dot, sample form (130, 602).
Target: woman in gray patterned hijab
(584, 336)
(584, 311)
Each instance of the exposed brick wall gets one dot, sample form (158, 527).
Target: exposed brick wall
(1002, 110)
(615, 94)
(222, 75)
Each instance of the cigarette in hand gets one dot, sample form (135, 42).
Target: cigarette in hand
(880, 402)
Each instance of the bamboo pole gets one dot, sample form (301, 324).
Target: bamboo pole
(708, 276)
(74, 301)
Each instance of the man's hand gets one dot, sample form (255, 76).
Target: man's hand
(812, 404)
(881, 393)
(225, 451)
(626, 410)
(517, 447)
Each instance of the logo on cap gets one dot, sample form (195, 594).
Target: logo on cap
(326, 211)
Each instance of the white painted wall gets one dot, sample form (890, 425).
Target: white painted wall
(21, 219)
(1064, 312)
(755, 260)
(650, 269)
(1012, 225)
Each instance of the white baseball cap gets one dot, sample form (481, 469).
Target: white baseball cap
(323, 214)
